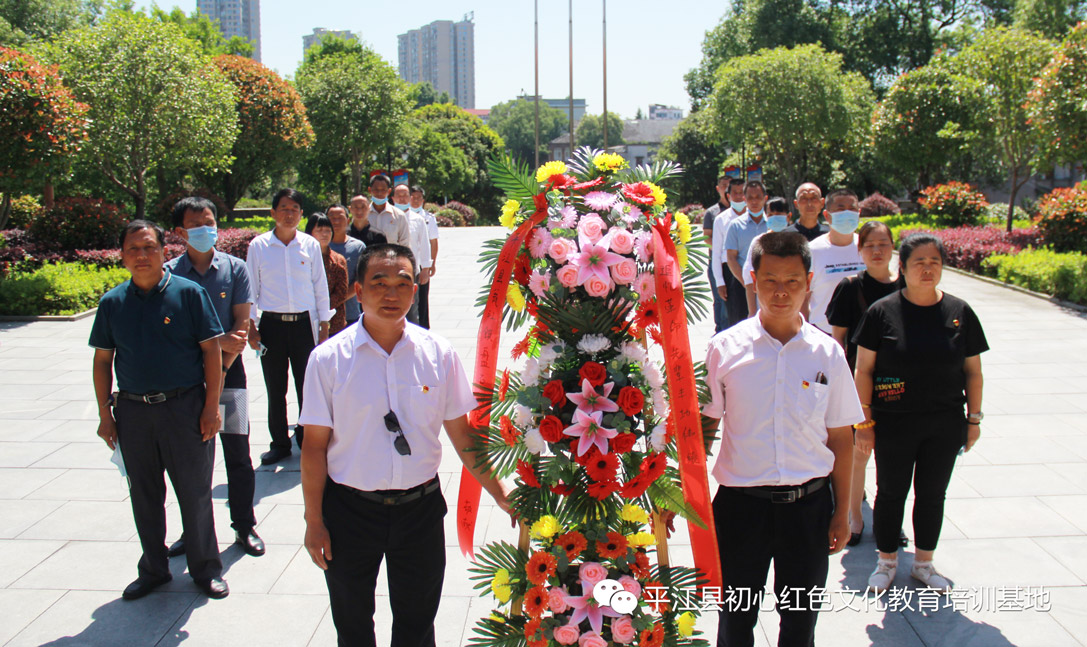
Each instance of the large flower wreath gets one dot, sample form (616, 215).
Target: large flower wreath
(585, 422)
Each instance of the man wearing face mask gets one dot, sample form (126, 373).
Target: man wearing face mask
(730, 206)
(777, 219)
(385, 217)
(226, 281)
(419, 244)
(834, 255)
(737, 240)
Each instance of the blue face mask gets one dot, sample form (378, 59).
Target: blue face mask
(777, 223)
(756, 214)
(845, 222)
(402, 207)
(202, 239)
(378, 201)
(738, 206)
(417, 209)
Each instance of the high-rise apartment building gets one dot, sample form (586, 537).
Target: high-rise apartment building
(236, 18)
(319, 33)
(443, 53)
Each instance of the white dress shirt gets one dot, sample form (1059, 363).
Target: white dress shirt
(393, 223)
(775, 413)
(351, 383)
(431, 225)
(830, 264)
(717, 249)
(288, 278)
(420, 239)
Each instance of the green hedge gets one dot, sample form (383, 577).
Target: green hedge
(61, 289)
(1042, 270)
(904, 221)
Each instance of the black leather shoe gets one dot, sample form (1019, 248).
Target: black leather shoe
(855, 537)
(177, 548)
(144, 585)
(215, 588)
(250, 542)
(274, 455)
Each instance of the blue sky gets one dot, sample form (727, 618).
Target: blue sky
(650, 44)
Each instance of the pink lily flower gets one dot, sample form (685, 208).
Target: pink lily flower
(588, 427)
(589, 400)
(586, 606)
(594, 259)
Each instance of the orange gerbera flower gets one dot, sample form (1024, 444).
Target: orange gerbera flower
(540, 567)
(613, 547)
(653, 637)
(640, 566)
(504, 385)
(573, 543)
(532, 630)
(509, 434)
(536, 601)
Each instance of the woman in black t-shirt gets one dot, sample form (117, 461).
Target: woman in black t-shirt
(918, 362)
(844, 312)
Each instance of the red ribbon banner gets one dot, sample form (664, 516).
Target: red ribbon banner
(490, 332)
(679, 369)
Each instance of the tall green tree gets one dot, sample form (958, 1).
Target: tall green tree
(204, 30)
(434, 162)
(154, 99)
(466, 133)
(515, 122)
(1050, 18)
(273, 128)
(1057, 108)
(1005, 62)
(590, 131)
(356, 104)
(696, 145)
(25, 21)
(424, 94)
(814, 112)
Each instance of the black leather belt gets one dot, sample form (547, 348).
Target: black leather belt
(786, 493)
(154, 398)
(394, 497)
(286, 317)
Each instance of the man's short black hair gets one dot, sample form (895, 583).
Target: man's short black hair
(724, 178)
(290, 194)
(191, 203)
(415, 188)
(777, 205)
(316, 220)
(782, 244)
(384, 250)
(754, 184)
(380, 177)
(734, 182)
(137, 225)
(336, 206)
(838, 193)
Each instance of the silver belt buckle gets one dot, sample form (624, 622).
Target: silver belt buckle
(289, 318)
(783, 497)
(154, 398)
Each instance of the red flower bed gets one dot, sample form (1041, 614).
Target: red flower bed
(968, 246)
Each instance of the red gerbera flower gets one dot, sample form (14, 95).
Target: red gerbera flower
(521, 347)
(640, 193)
(602, 489)
(573, 543)
(613, 547)
(655, 335)
(653, 466)
(540, 567)
(587, 457)
(602, 467)
(540, 201)
(585, 186)
(623, 443)
(561, 181)
(648, 314)
(535, 602)
(504, 385)
(561, 489)
(640, 565)
(651, 637)
(533, 635)
(527, 472)
(523, 268)
(509, 434)
(635, 487)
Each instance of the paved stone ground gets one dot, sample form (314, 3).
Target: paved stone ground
(1015, 518)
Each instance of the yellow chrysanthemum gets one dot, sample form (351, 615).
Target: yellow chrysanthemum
(609, 162)
(659, 196)
(681, 256)
(550, 168)
(639, 539)
(634, 512)
(545, 527)
(685, 623)
(509, 213)
(500, 585)
(683, 229)
(515, 298)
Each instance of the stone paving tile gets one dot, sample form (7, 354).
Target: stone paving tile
(17, 556)
(22, 608)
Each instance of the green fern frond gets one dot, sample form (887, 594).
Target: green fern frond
(513, 177)
(666, 494)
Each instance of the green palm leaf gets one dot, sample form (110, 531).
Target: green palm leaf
(493, 633)
(658, 172)
(581, 163)
(514, 178)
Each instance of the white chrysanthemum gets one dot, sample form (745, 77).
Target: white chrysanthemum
(531, 373)
(593, 344)
(534, 442)
(660, 405)
(551, 352)
(657, 438)
(522, 415)
(632, 352)
(653, 375)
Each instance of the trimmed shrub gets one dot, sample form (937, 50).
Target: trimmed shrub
(57, 289)
(953, 204)
(78, 223)
(443, 221)
(24, 209)
(876, 205)
(452, 215)
(998, 216)
(967, 247)
(432, 207)
(468, 214)
(1043, 270)
(1062, 219)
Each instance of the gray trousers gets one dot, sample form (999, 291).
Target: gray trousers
(166, 437)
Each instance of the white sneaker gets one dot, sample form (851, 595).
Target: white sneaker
(926, 573)
(881, 578)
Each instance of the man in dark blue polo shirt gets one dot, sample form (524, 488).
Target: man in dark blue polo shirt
(226, 281)
(160, 334)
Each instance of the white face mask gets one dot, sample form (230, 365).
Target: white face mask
(845, 222)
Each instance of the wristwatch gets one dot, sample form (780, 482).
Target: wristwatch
(975, 418)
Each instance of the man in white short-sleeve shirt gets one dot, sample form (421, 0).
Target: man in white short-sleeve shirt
(418, 198)
(834, 255)
(787, 403)
(377, 396)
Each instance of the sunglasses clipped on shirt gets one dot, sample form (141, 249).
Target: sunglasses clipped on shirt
(401, 443)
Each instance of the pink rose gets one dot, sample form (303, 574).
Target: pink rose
(566, 634)
(596, 286)
(622, 630)
(567, 275)
(591, 227)
(591, 639)
(630, 585)
(624, 271)
(622, 241)
(540, 243)
(558, 250)
(646, 287)
(591, 573)
(539, 282)
(556, 601)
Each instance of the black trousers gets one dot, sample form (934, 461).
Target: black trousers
(424, 305)
(411, 540)
(289, 343)
(750, 533)
(737, 298)
(166, 436)
(921, 448)
(240, 480)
